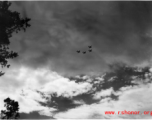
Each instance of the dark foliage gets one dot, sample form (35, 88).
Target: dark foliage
(12, 108)
(9, 22)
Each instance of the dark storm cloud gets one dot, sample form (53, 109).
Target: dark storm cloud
(61, 103)
(34, 115)
(120, 76)
(118, 31)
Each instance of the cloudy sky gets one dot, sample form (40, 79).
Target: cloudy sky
(50, 79)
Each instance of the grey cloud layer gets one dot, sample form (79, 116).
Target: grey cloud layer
(118, 31)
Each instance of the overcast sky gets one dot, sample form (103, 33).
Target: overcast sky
(55, 80)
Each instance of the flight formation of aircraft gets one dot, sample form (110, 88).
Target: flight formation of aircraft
(84, 52)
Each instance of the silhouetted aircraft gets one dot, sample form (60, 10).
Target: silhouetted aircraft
(90, 46)
(90, 50)
(84, 52)
(78, 51)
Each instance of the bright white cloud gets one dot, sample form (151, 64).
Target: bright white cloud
(100, 78)
(137, 98)
(20, 84)
(63, 86)
(103, 93)
(79, 102)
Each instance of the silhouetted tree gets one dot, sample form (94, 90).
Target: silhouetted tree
(9, 22)
(12, 108)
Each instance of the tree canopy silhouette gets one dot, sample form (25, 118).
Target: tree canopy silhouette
(9, 22)
(12, 108)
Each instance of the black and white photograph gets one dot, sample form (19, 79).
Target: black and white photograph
(75, 60)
